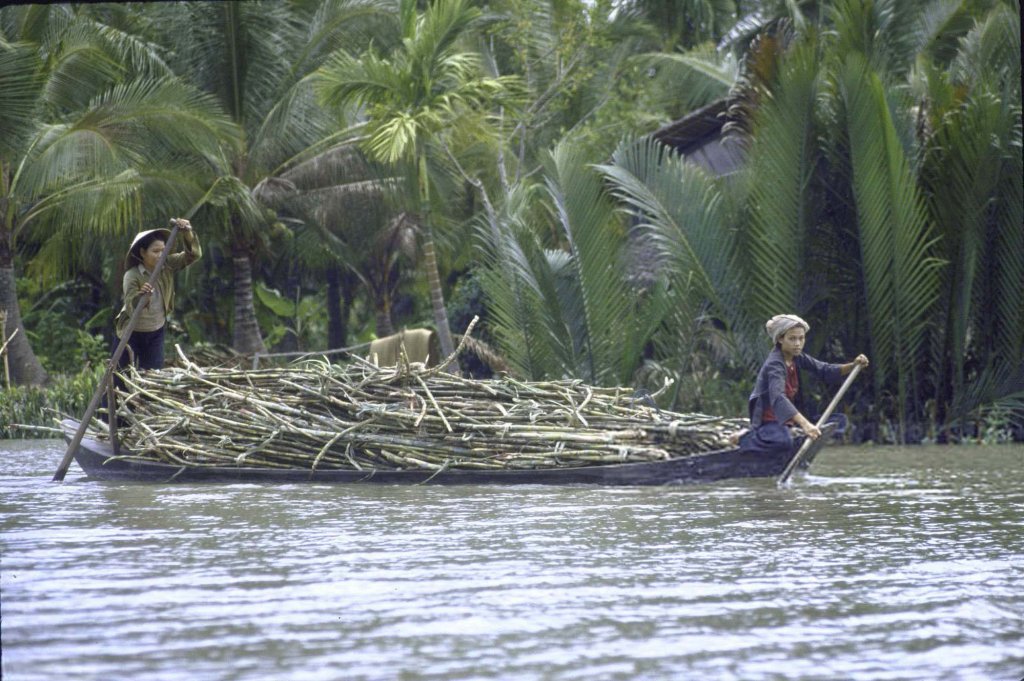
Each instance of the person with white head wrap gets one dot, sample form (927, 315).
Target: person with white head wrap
(775, 401)
(781, 323)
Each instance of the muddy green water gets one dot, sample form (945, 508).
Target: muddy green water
(884, 563)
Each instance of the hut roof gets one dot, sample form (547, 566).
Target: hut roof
(699, 137)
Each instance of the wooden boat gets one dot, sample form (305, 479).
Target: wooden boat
(97, 459)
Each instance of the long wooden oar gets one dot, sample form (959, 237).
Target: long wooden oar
(798, 457)
(95, 402)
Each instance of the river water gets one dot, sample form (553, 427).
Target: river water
(884, 563)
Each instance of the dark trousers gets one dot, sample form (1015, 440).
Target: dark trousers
(147, 348)
(772, 437)
(768, 438)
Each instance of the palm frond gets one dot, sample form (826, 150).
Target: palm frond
(990, 53)
(293, 123)
(783, 158)
(680, 208)
(438, 28)
(1008, 253)
(997, 388)
(81, 68)
(974, 178)
(127, 126)
(345, 79)
(601, 312)
(517, 279)
(694, 78)
(58, 154)
(21, 82)
(95, 205)
(344, 22)
(142, 59)
(169, 113)
(240, 52)
(34, 23)
(744, 30)
(897, 243)
(934, 24)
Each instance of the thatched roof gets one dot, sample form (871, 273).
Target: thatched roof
(699, 137)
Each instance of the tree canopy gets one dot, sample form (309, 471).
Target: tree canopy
(360, 166)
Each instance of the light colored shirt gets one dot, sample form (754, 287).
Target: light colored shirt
(154, 314)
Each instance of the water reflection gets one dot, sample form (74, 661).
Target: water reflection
(884, 564)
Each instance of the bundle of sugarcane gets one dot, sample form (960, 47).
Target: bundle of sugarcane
(358, 416)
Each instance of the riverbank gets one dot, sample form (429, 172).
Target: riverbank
(28, 411)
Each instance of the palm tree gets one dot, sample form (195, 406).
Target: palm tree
(568, 311)
(687, 216)
(834, 167)
(97, 139)
(897, 241)
(683, 24)
(413, 98)
(348, 218)
(255, 58)
(971, 171)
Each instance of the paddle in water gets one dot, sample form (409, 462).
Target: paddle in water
(798, 457)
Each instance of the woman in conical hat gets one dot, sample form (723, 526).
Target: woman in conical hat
(775, 402)
(147, 339)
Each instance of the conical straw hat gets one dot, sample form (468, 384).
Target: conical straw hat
(129, 259)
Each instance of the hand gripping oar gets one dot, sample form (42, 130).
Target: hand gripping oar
(798, 457)
(95, 402)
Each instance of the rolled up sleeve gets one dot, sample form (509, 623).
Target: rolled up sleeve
(193, 251)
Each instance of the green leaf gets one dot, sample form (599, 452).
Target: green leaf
(272, 298)
(897, 242)
(782, 164)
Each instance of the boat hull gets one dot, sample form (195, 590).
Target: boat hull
(97, 461)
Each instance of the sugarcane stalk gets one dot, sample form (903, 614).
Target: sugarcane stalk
(316, 415)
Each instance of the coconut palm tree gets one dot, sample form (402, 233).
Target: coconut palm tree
(413, 98)
(255, 58)
(98, 138)
(349, 217)
(683, 24)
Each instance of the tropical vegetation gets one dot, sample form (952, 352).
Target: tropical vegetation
(360, 166)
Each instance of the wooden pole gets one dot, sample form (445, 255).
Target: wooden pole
(798, 457)
(3, 350)
(112, 418)
(94, 403)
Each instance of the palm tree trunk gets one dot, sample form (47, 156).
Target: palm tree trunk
(24, 365)
(246, 336)
(382, 316)
(335, 322)
(444, 332)
(341, 296)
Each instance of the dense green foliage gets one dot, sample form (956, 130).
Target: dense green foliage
(358, 166)
(28, 411)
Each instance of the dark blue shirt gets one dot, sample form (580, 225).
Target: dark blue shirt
(770, 388)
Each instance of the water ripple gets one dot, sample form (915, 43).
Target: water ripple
(885, 564)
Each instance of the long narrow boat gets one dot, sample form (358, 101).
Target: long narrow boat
(97, 459)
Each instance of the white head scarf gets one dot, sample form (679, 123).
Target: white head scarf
(781, 323)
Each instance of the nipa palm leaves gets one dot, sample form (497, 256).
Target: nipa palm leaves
(897, 242)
